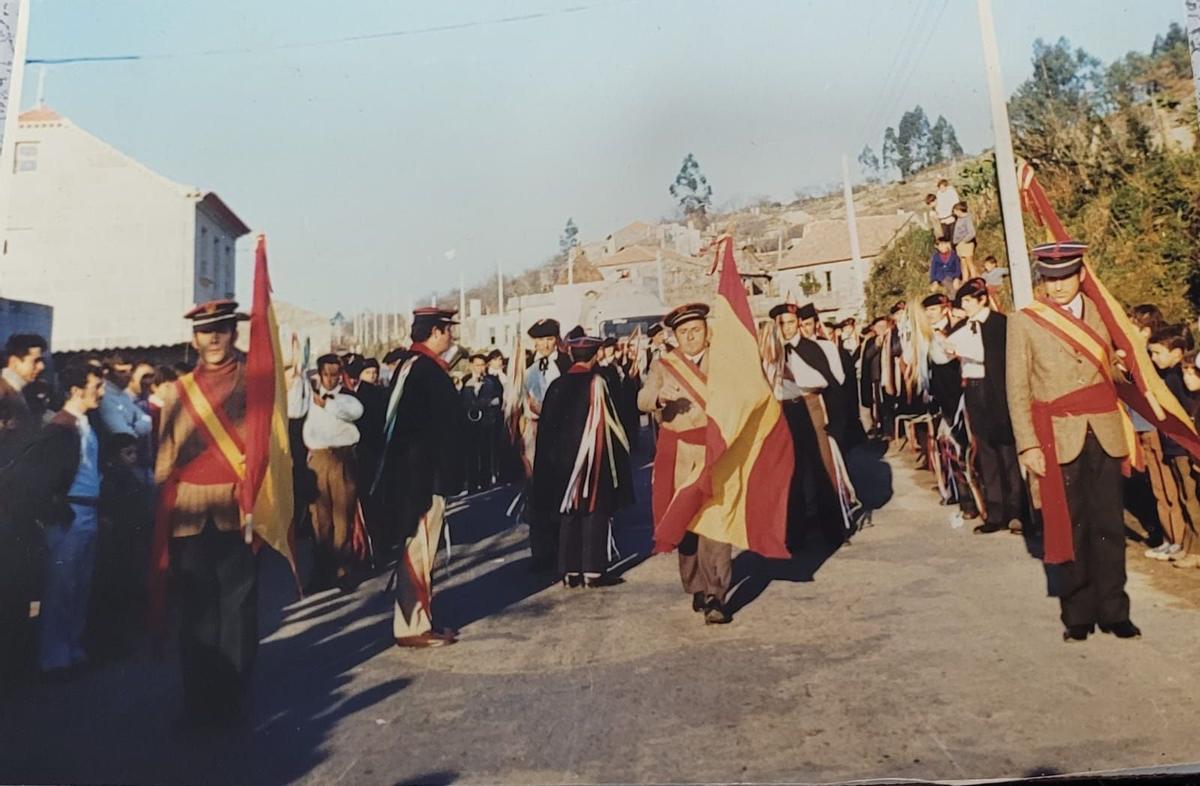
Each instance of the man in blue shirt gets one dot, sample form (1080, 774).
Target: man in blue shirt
(71, 544)
(945, 269)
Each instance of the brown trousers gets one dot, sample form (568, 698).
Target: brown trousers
(333, 511)
(1165, 488)
(705, 566)
(1188, 500)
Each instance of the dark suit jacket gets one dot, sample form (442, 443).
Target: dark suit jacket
(424, 456)
(18, 425)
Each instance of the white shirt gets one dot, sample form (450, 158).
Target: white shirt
(1076, 306)
(537, 382)
(332, 426)
(946, 200)
(695, 359)
(940, 349)
(13, 378)
(968, 345)
(805, 378)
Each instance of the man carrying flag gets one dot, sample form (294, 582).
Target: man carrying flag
(724, 450)
(1073, 435)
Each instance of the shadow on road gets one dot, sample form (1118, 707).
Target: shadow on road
(752, 574)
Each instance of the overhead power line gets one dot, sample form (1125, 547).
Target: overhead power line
(348, 39)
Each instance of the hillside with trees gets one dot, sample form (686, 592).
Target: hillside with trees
(1115, 150)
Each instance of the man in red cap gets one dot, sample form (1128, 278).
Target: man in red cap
(1070, 436)
(422, 465)
(201, 456)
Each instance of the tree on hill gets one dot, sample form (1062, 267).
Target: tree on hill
(692, 190)
(569, 238)
(914, 143)
(869, 162)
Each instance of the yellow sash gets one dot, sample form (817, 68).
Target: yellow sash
(686, 373)
(212, 424)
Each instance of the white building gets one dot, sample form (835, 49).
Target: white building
(119, 251)
(818, 266)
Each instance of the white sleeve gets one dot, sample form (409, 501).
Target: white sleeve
(345, 407)
(298, 398)
(803, 375)
(835, 360)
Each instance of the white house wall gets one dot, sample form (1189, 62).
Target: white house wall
(99, 238)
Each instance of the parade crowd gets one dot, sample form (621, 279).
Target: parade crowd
(1009, 412)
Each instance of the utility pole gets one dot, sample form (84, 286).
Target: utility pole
(1006, 166)
(571, 265)
(500, 286)
(1192, 7)
(852, 228)
(462, 295)
(659, 262)
(12, 110)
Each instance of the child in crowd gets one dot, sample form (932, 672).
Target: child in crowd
(945, 269)
(1167, 346)
(1191, 381)
(964, 239)
(1160, 482)
(122, 551)
(931, 216)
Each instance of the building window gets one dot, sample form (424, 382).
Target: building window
(204, 252)
(828, 281)
(26, 159)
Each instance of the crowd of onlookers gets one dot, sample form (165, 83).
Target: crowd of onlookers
(76, 505)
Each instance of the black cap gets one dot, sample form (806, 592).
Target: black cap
(684, 314)
(431, 315)
(576, 332)
(937, 299)
(784, 308)
(611, 341)
(495, 353)
(584, 348)
(215, 312)
(972, 287)
(544, 328)
(1059, 260)
(654, 330)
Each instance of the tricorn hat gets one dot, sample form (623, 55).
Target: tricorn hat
(544, 328)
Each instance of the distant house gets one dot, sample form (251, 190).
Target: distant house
(118, 251)
(635, 233)
(818, 265)
(640, 263)
(680, 238)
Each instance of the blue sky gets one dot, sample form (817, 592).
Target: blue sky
(365, 161)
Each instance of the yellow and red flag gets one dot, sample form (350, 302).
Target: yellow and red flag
(740, 495)
(265, 494)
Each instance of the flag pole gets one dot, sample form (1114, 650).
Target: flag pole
(1006, 166)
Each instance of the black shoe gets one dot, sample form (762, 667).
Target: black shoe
(596, 582)
(715, 614)
(697, 601)
(1077, 633)
(572, 581)
(990, 527)
(1122, 630)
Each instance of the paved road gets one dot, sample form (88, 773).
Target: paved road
(920, 651)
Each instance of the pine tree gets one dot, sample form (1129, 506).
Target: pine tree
(692, 190)
(569, 238)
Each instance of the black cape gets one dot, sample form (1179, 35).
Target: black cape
(560, 432)
(423, 457)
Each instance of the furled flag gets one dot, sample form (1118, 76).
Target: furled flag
(1145, 392)
(740, 496)
(265, 494)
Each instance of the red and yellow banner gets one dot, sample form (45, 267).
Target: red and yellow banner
(266, 491)
(740, 496)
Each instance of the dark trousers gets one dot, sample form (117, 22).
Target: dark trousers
(1093, 586)
(481, 441)
(583, 543)
(999, 471)
(21, 567)
(812, 499)
(218, 634)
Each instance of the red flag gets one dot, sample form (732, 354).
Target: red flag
(265, 494)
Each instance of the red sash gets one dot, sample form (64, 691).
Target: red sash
(214, 466)
(667, 529)
(1098, 399)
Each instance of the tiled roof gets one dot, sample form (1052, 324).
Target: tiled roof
(829, 241)
(639, 254)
